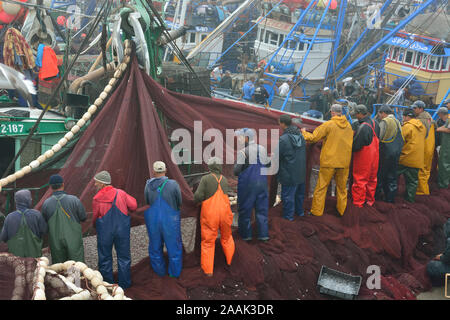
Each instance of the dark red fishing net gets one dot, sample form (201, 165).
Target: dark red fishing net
(128, 135)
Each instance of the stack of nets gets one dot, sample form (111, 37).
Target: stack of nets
(34, 279)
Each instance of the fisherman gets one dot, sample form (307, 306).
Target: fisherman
(426, 119)
(226, 82)
(217, 72)
(337, 136)
(248, 89)
(412, 155)
(260, 94)
(365, 158)
(320, 101)
(252, 188)
(24, 228)
(284, 89)
(351, 87)
(163, 221)
(442, 118)
(215, 215)
(440, 265)
(391, 144)
(110, 217)
(64, 214)
(444, 151)
(292, 168)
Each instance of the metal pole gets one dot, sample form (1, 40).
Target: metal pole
(311, 4)
(337, 38)
(358, 41)
(229, 48)
(385, 38)
(306, 54)
(440, 105)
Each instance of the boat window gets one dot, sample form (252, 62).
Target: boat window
(439, 64)
(273, 38)
(192, 37)
(444, 63)
(409, 57)
(401, 55)
(302, 46)
(432, 63)
(203, 37)
(417, 59)
(425, 61)
(266, 39)
(395, 54)
(261, 35)
(280, 39)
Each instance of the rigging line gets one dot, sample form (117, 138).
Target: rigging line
(416, 71)
(175, 48)
(411, 32)
(36, 6)
(55, 93)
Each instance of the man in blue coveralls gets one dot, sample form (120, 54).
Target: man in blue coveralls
(163, 221)
(252, 186)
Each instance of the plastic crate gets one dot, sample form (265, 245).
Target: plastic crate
(338, 284)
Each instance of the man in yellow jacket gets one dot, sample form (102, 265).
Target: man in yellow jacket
(412, 156)
(337, 136)
(426, 119)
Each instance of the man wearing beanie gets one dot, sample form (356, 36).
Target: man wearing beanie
(163, 221)
(64, 213)
(110, 217)
(292, 168)
(412, 156)
(24, 228)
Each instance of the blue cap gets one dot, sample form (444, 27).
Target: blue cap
(56, 179)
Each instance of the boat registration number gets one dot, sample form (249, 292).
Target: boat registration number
(11, 128)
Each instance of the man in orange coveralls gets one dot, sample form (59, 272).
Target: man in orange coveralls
(215, 215)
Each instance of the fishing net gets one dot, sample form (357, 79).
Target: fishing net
(129, 134)
(34, 279)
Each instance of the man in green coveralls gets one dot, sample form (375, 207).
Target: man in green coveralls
(64, 213)
(444, 151)
(24, 228)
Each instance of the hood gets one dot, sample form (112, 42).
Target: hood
(447, 229)
(216, 168)
(155, 183)
(106, 194)
(23, 199)
(295, 136)
(341, 121)
(418, 124)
